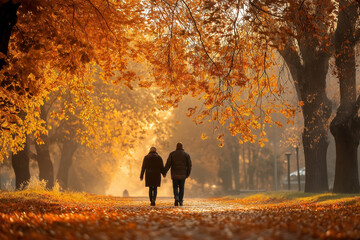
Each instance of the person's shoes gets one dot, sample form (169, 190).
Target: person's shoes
(181, 203)
(152, 203)
(176, 203)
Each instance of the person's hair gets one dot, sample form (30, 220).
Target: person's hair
(153, 149)
(179, 145)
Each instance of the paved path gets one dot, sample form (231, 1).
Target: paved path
(203, 219)
(106, 218)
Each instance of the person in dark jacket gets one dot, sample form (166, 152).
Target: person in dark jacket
(180, 163)
(153, 167)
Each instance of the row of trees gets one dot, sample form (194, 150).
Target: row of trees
(63, 66)
(221, 52)
(208, 44)
(121, 119)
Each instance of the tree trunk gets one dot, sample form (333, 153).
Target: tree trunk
(235, 169)
(225, 176)
(233, 149)
(20, 164)
(67, 153)
(346, 125)
(309, 75)
(46, 169)
(244, 167)
(315, 147)
(251, 169)
(347, 142)
(8, 18)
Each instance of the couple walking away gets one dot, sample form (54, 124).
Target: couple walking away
(179, 162)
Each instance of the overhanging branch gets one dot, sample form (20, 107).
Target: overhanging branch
(200, 36)
(263, 10)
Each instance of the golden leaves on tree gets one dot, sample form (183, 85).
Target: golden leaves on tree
(57, 46)
(208, 53)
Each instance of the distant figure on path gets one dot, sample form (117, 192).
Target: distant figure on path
(126, 193)
(153, 167)
(180, 163)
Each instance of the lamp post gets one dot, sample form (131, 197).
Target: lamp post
(288, 163)
(298, 170)
(275, 163)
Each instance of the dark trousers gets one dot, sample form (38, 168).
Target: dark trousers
(178, 187)
(152, 193)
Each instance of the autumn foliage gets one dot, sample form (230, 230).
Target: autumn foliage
(42, 214)
(61, 46)
(225, 54)
(208, 52)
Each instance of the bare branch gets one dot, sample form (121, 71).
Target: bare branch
(200, 36)
(235, 34)
(171, 34)
(301, 4)
(102, 16)
(263, 10)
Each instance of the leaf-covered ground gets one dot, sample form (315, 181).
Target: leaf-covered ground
(56, 215)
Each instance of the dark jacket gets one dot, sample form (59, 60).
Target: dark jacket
(153, 167)
(180, 163)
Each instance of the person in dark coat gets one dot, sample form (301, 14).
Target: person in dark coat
(153, 167)
(180, 163)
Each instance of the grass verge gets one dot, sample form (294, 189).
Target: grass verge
(298, 197)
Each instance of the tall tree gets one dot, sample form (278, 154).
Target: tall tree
(309, 68)
(301, 32)
(66, 138)
(20, 163)
(20, 160)
(68, 150)
(346, 125)
(232, 151)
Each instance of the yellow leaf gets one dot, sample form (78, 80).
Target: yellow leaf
(203, 136)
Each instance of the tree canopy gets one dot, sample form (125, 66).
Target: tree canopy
(224, 53)
(59, 46)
